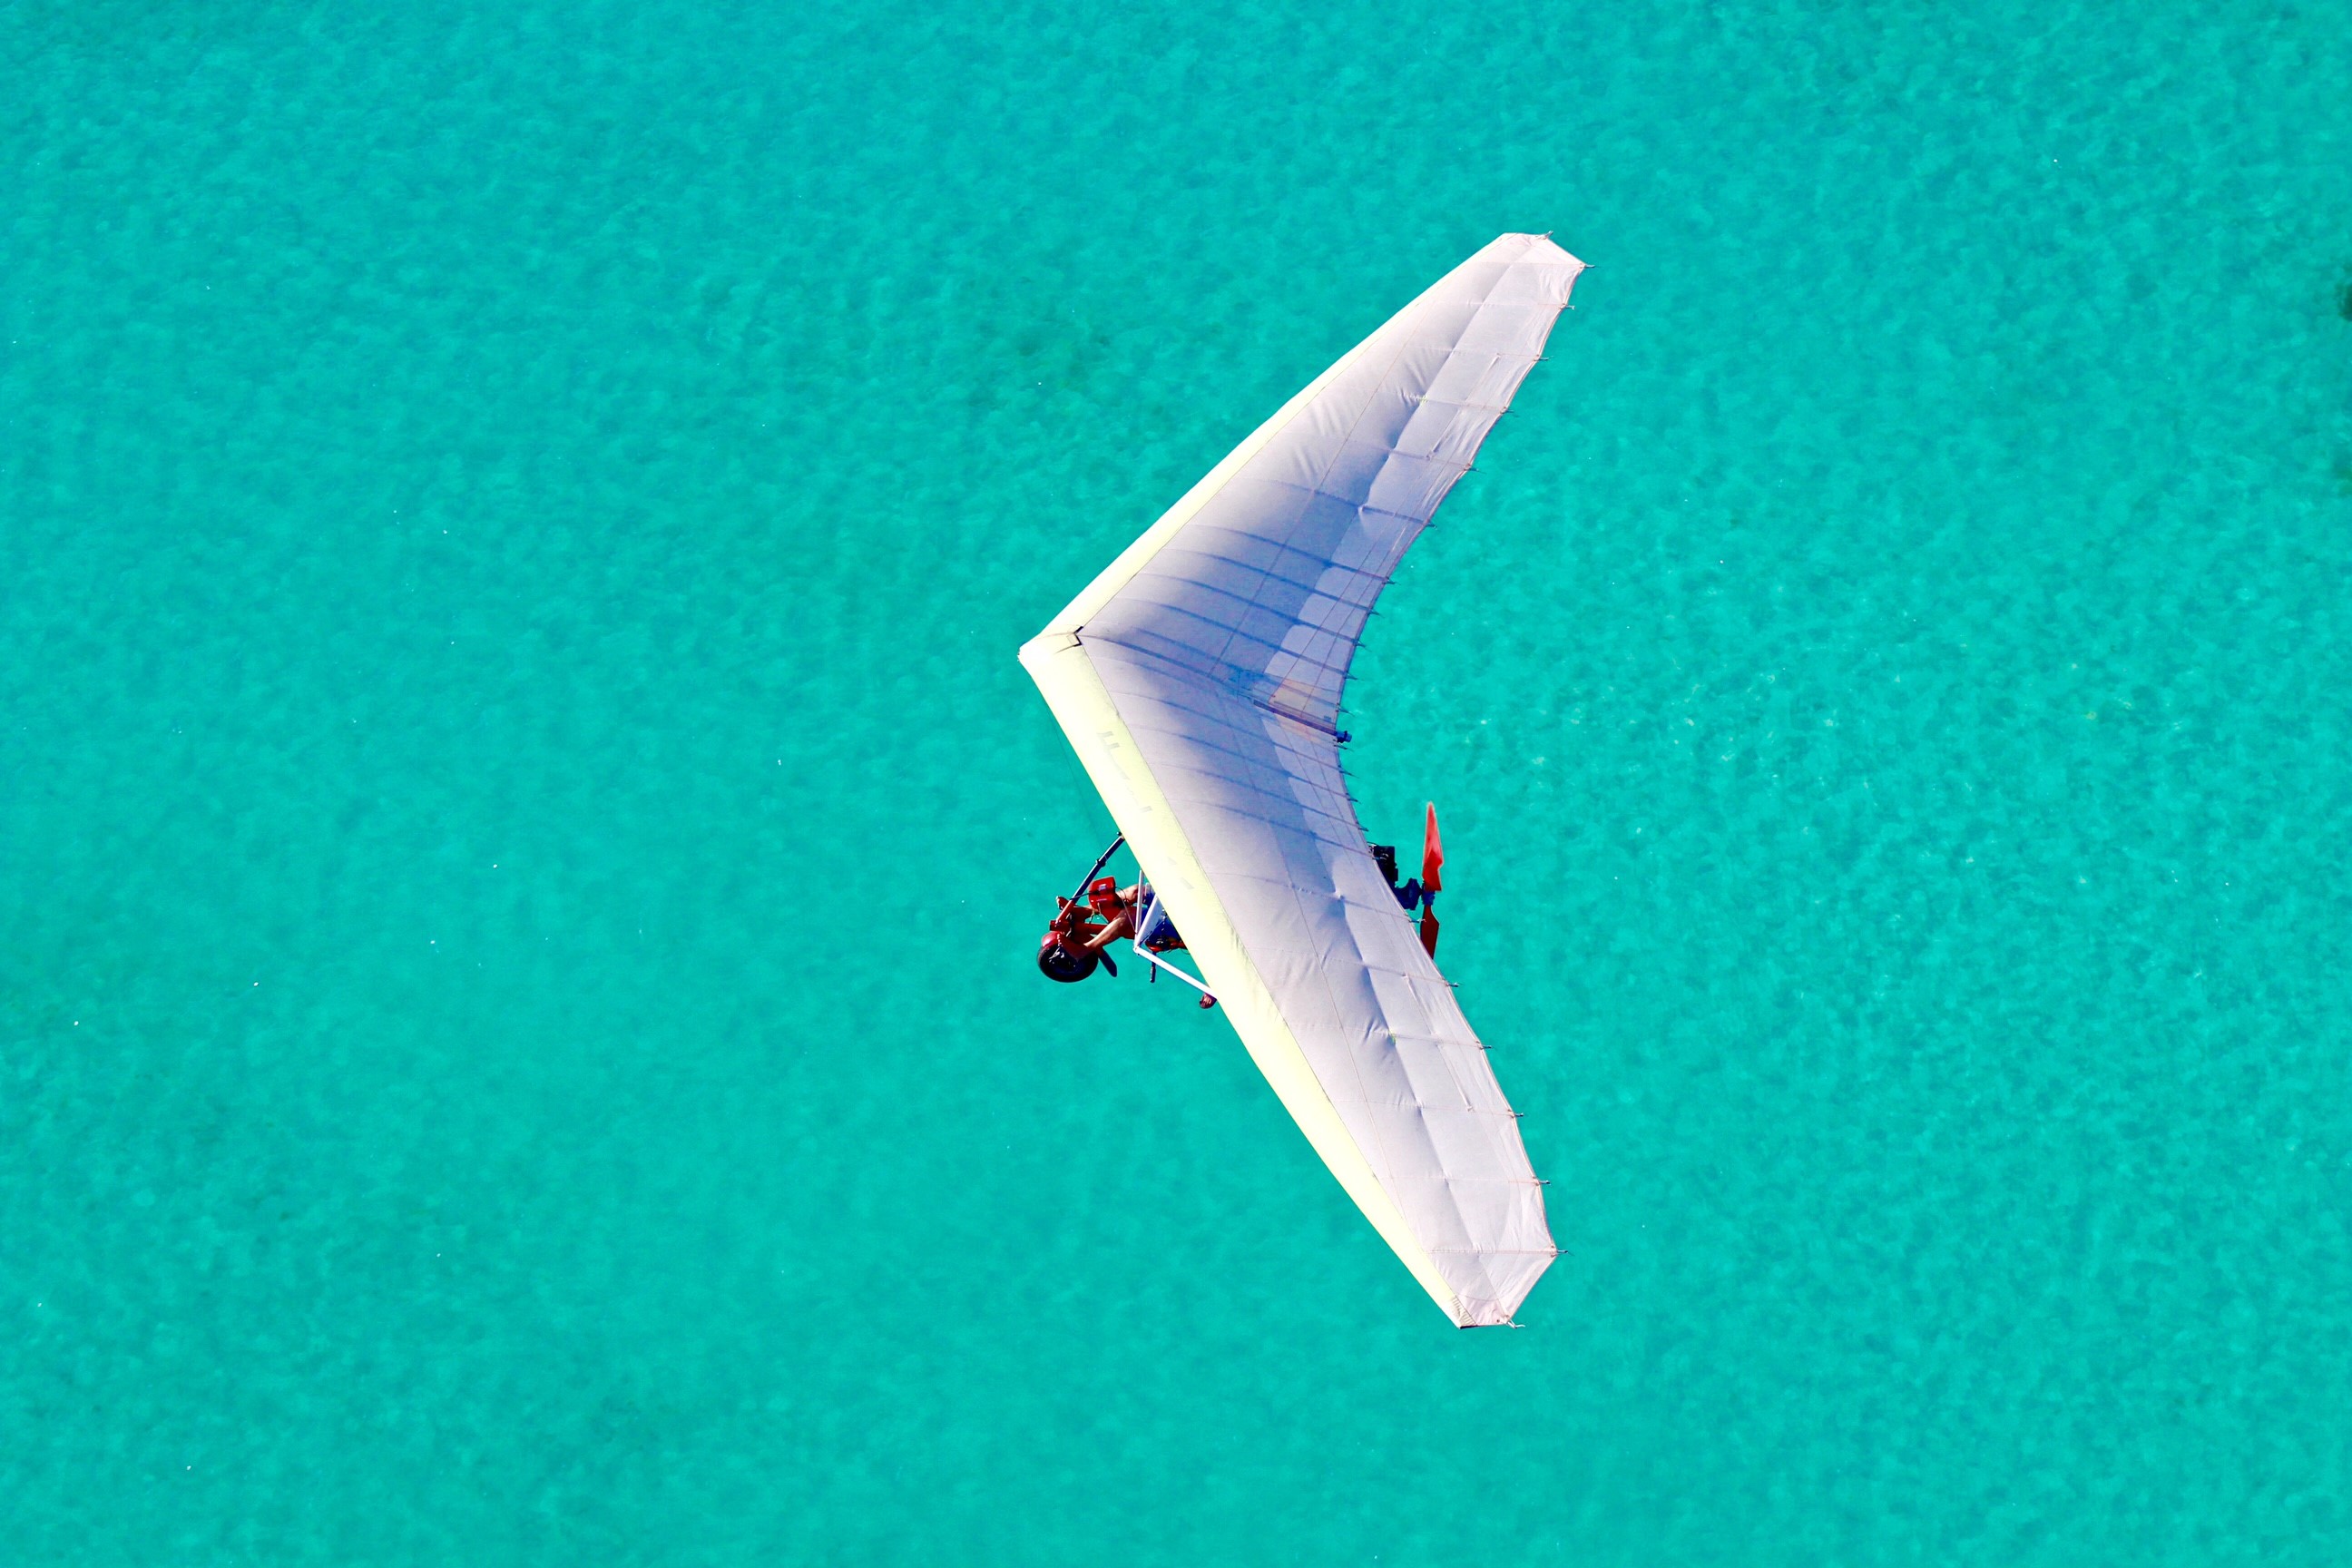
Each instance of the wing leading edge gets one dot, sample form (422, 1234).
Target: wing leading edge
(1199, 680)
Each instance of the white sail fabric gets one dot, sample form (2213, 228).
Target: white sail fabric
(1199, 679)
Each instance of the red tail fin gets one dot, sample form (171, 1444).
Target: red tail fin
(1429, 932)
(1432, 856)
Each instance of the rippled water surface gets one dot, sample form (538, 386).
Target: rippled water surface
(521, 836)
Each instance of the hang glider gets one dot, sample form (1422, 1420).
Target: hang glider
(1199, 679)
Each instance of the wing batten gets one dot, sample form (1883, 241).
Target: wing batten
(1200, 678)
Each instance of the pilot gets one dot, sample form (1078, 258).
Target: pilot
(1115, 907)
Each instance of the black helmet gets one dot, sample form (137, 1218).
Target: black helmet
(1384, 856)
(1065, 964)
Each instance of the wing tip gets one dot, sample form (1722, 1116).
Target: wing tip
(1536, 249)
(1509, 1288)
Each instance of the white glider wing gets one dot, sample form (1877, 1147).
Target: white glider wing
(1199, 678)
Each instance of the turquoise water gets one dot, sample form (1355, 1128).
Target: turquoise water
(521, 836)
